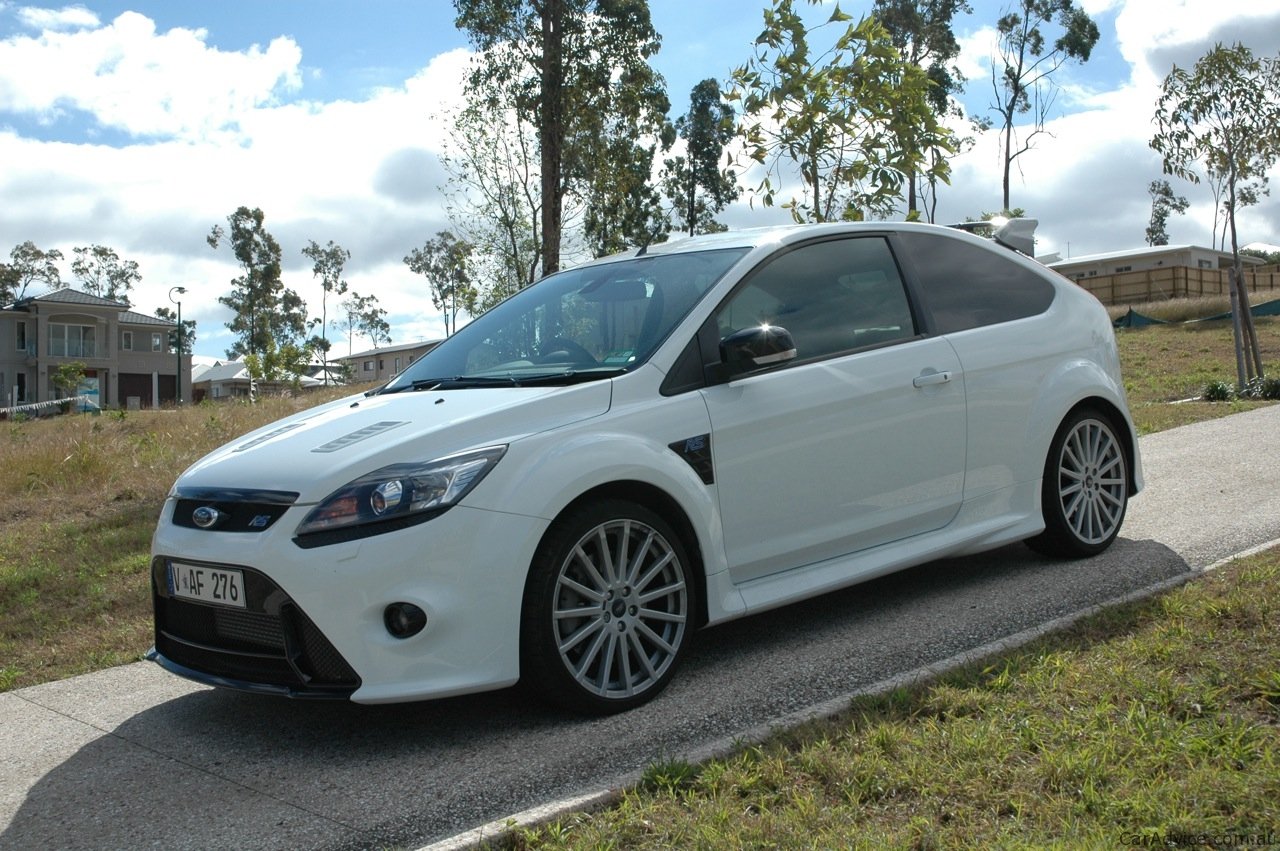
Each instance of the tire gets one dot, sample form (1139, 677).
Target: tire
(1086, 487)
(608, 609)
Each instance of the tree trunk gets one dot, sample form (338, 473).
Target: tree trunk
(551, 133)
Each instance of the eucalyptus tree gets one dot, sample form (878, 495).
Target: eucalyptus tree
(1163, 204)
(1222, 117)
(28, 265)
(328, 264)
(445, 261)
(362, 315)
(922, 32)
(564, 67)
(266, 314)
(835, 116)
(494, 197)
(695, 183)
(102, 272)
(1022, 70)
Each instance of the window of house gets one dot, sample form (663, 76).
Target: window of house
(1206, 264)
(157, 342)
(1120, 269)
(21, 387)
(367, 366)
(73, 341)
(381, 364)
(397, 364)
(22, 336)
(126, 341)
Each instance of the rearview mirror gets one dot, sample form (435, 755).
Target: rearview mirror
(756, 347)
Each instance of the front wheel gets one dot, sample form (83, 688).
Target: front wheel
(1085, 490)
(607, 608)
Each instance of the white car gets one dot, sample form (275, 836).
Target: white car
(566, 489)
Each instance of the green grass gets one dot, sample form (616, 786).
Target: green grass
(1140, 726)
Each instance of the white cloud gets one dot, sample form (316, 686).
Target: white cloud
(68, 17)
(130, 78)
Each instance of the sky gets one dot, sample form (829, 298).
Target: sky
(141, 125)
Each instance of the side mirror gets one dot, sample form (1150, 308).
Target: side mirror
(755, 348)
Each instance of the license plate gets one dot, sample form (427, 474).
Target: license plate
(216, 585)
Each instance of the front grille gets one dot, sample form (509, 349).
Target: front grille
(271, 642)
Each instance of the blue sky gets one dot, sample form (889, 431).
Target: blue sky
(140, 125)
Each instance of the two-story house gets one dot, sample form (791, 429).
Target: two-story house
(127, 356)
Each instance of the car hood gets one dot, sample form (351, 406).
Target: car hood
(317, 451)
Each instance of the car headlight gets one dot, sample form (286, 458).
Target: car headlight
(396, 496)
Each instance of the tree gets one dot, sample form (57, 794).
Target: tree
(67, 377)
(836, 117)
(695, 183)
(921, 31)
(566, 68)
(495, 198)
(28, 265)
(445, 262)
(187, 340)
(362, 315)
(1163, 203)
(327, 265)
(1021, 75)
(101, 272)
(1224, 116)
(265, 311)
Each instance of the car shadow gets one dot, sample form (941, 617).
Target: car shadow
(221, 769)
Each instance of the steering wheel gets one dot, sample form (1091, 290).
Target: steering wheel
(560, 349)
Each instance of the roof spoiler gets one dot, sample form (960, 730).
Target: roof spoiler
(1018, 234)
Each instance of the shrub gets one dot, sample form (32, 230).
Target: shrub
(1219, 391)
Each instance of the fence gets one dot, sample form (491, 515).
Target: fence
(1175, 282)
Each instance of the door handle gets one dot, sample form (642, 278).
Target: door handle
(929, 378)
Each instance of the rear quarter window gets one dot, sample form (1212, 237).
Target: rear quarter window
(968, 286)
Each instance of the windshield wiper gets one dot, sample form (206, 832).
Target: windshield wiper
(545, 379)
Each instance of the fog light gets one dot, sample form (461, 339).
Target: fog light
(404, 619)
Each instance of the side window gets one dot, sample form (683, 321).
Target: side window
(832, 296)
(968, 286)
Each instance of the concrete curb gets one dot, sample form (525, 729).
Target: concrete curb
(726, 745)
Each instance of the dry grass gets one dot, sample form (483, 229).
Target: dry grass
(79, 498)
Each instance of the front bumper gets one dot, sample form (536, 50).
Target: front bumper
(314, 625)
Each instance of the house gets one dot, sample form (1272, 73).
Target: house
(382, 364)
(1160, 272)
(1142, 259)
(127, 355)
(230, 380)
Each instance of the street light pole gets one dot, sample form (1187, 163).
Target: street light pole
(177, 375)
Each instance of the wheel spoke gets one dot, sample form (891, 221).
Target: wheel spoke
(590, 593)
(588, 563)
(656, 615)
(575, 638)
(664, 591)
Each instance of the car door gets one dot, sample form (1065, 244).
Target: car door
(858, 441)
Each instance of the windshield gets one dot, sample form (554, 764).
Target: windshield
(585, 323)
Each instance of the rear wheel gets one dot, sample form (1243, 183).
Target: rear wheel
(1086, 487)
(607, 608)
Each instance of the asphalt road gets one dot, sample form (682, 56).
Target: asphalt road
(133, 757)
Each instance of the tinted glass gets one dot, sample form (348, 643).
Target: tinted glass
(968, 286)
(832, 296)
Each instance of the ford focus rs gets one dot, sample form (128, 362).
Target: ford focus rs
(568, 488)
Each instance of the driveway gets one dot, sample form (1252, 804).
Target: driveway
(133, 757)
